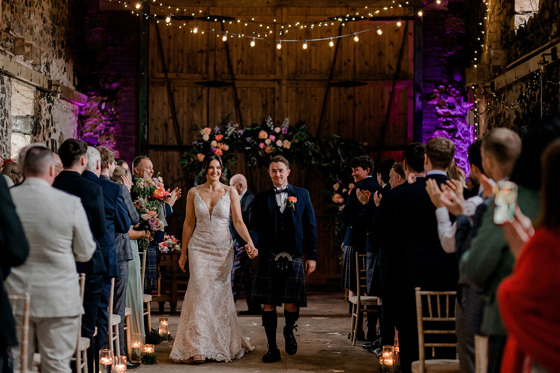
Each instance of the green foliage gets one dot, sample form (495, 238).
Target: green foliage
(153, 337)
(149, 359)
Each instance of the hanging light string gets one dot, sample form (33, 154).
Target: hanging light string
(477, 58)
(264, 34)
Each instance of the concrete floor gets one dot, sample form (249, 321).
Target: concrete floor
(323, 345)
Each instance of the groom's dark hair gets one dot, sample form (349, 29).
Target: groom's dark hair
(279, 159)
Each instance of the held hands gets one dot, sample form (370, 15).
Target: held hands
(310, 266)
(183, 261)
(251, 251)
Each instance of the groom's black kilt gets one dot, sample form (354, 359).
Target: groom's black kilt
(276, 289)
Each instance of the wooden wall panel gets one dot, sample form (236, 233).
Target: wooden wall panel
(287, 83)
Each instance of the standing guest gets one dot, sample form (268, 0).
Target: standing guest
(57, 228)
(122, 242)
(14, 249)
(134, 290)
(427, 265)
(242, 273)
(116, 220)
(383, 173)
(387, 233)
(529, 312)
(14, 172)
(356, 226)
(284, 222)
(73, 155)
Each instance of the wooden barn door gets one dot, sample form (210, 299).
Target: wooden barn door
(209, 79)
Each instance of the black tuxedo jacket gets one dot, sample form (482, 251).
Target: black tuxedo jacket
(116, 220)
(247, 212)
(428, 266)
(356, 217)
(91, 196)
(14, 249)
(303, 217)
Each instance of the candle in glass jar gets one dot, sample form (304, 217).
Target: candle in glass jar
(105, 360)
(148, 349)
(163, 326)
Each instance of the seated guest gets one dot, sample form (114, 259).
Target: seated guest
(73, 155)
(529, 311)
(356, 224)
(14, 249)
(57, 229)
(13, 170)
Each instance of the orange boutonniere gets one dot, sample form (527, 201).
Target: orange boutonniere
(292, 202)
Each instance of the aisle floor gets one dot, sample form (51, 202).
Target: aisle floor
(322, 336)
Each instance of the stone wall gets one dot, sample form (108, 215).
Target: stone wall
(444, 60)
(41, 35)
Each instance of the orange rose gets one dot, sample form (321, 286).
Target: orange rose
(207, 130)
(219, 137)
(160, 193)
(268, 150)
(263, 135)
(292, 199)
(220, 145)
(218, 151)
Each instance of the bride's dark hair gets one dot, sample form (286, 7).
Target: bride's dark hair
(206, 162)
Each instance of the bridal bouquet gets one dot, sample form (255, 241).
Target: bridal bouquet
(170, 243)
(149, 195)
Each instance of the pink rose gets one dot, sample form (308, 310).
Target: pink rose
(261, 145)
(272, 137)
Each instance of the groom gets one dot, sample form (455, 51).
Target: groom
(284, 222)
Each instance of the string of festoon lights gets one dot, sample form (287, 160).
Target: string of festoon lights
(481, 37)
(266, 29)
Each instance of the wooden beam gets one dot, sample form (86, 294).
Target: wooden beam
(526, 65)
(19, 71)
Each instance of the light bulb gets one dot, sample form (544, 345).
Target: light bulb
(167, 19)
(195, 29)
(279, 45)
(420, 13)
(399, 23)
(305, 45)
(252, 43)
(331, 43)
(356, 38)
(438, 2)
(379, 31)
(138, 5)
(224, 38)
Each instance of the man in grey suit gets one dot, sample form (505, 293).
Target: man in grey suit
(241, 273)
(58, 232)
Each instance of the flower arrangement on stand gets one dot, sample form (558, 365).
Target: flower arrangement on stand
(149, 195)
(223, 140)
(266, 140)
(169, 244)
(335, 199)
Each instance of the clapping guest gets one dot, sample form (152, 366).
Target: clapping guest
(57, 229)
(73, 155)
(529, 312)
(354, 239)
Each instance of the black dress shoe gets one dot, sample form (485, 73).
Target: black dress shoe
(367, 345)
(290, 339)
(271, 356)
(130, 365)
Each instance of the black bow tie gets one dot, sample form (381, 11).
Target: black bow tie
(285, 190)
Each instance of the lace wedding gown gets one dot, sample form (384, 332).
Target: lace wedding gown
(208, 324)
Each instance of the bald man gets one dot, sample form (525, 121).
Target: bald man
(241, 273)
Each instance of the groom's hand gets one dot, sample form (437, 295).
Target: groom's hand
(310, 266)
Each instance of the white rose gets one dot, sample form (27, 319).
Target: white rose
(205, 137)
(279, 143)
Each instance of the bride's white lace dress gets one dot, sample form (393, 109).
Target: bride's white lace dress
(208, 324)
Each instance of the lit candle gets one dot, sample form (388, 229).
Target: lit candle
(120, 364)
(163, 326)
(148, 349)
(136, 347)
(105, 360)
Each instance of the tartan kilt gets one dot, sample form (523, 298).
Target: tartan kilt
(349, 269)
(272, 288)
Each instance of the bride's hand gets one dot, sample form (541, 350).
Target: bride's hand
(183, 262)
(251, 251)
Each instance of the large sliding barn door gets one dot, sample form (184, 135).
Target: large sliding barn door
(210, 79)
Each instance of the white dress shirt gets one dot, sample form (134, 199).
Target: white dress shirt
(281, 198)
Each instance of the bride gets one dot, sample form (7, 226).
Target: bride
(208, 326)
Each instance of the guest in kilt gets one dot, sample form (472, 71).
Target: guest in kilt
(284, 224)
